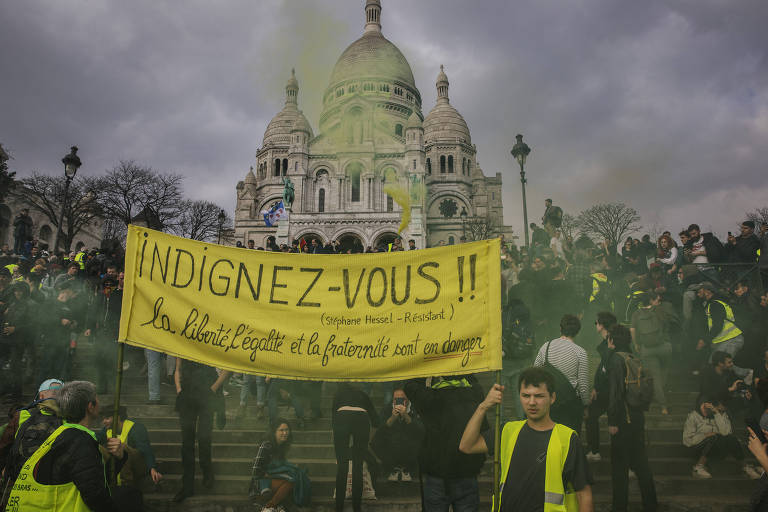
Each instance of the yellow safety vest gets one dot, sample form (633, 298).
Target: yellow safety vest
(79, 259)
(597, 278)
(730, 330)
(556, 498)
(28, 495)
(127, 425)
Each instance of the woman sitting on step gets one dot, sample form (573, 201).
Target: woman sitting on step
(273, 478)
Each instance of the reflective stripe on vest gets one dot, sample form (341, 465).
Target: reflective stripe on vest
(556, 498)
(597, 278)
(452, 383)
(730, 330)
(127, 425)
(28, 495)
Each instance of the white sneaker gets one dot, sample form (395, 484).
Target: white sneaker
(268, 509)
(406, 476)
(394, 476)
(752, 472)
(700, 472)
(594, 456)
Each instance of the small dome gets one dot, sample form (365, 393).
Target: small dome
(414, 121)
(250, 177)
(444, 122)
(281, 125)
(301, 125)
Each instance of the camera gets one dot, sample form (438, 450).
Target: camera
(399, 401)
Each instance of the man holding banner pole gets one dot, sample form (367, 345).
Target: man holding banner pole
(543, 464)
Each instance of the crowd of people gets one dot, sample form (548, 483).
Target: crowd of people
(695, 305)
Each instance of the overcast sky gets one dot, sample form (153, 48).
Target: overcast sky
(661, 105)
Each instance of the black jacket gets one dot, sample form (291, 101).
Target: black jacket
(744, 250)
(75, 457)
(619, 412)
(445, 412)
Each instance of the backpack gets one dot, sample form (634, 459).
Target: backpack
(638, 382)
(649, 330)
(30, 436)
(567, 399)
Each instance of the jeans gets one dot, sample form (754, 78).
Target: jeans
(196, 419)
(154, 372)
(719, 447)
(597, 408)
(351, 430)
(441, 493)
(731, 347)
(273, 393)
(261, 389)
(628, 452)
(655, 359)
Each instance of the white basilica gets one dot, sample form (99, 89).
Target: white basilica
(371, 136)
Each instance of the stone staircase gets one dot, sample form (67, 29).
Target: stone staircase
(235, 446)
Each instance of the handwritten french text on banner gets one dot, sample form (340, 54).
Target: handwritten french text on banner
(365, 317)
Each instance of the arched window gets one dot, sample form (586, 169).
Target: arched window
(277, 167)
(353, 172)
(429, 166)
(399, 130)
(442, 164)
(469, 166)
(450, 163)
(451, 240)
(463, 166)
(321, 200)
(295, 166)
(285, 166)
(390, 204)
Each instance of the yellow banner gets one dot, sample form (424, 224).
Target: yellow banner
(364, 317)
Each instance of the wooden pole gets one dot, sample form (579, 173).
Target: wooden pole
(496, 454)
(115, 413)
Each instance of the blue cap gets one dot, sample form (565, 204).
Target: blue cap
(50, 383)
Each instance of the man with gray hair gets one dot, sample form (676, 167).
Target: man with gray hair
(70, 460)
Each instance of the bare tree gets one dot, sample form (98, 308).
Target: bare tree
(199, 220)
(129, 188)
(480, 227)
(46, 193)
(759, 216)
(7, 181)
(569, 226)
(609, 221)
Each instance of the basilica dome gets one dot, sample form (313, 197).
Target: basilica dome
(279, 128)
(372, 56)
(444, 123)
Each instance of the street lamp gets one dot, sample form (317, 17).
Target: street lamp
(222, 218)
(520, 151)
(463, 216)
(71, 164)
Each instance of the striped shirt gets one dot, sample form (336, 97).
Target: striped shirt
(571, 360)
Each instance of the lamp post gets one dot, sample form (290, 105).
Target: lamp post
(71, 164)
(222, 218)
(520, 151)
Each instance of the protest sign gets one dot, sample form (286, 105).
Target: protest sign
(363, 317)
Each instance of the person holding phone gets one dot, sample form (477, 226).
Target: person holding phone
(398, 440)
(708, 432)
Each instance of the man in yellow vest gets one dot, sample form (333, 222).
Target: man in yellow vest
(46, 483)
(543, 464)
(722, 332)
(141, 457)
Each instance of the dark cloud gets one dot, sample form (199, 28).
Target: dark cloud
(660, 104)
